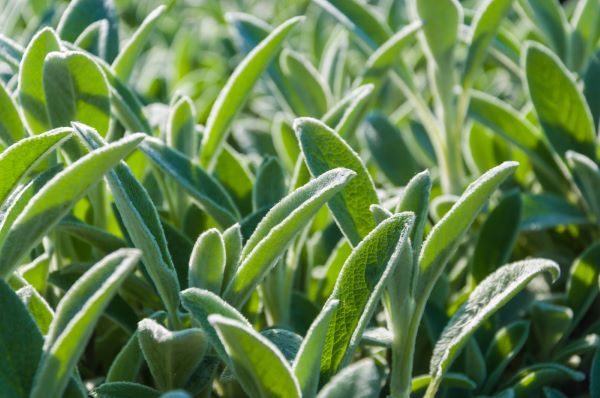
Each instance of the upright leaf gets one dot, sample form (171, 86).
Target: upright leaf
(308, 358)
(361, 379)
(324, 150)
(125, 61)
(278, 228)
(447, 233)
(11, 126)
(141, 221)
(82, 13)
(171, 356)
(587, 178)
(359, 287)
(207, 262)
(259, 366)
(486, 299)
(31, 84)
(18, 159)
(78, 89)
(234, 94)
(75, 320)
(206, 191)
(559, 104)
(57, 197)
(582, 285)
(20, 345)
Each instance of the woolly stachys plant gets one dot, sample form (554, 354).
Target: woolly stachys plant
(328, 198)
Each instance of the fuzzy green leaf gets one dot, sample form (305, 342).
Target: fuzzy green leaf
(259, 366)
(234, 94)
(306, 363)
(559, 104)
(20, 345)
(78, 89)
(361, 379)
(31, 84)
(203, 188)
(75, 320)
(171, 356)
(487, 298)
(18, 159)
(359, 287)
(278, 228)
(125, 61)
(57, 197)
(207, 262)
(324, 150)
(11, 125)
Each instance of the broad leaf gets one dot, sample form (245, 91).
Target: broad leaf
(237, 89)
(324, 150)
(20, 345)
(559, 104)
(11, 125)
(57, 197)
(207, 262)
(172, 356)
(359, 287)
(486, 299)
(75, 320)
(361, 379)
(259, 366)
(278, 228)
(587, 178)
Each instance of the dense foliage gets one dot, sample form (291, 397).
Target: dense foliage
(328, 198)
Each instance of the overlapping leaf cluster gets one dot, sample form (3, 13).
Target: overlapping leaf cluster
(327, 198)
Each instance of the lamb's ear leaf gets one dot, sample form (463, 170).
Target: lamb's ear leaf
(258, 365)
(125, 61)
(22, 341)
(56, 198)
(11, 125)
(19, 158)
(207, 262)
(485, 24)
(37, 306)
(172, 356)
(31, 87)
(140, 218)
(324, 150)
(560, 106)
(484, 301)
(78, 89)
(582, 285)
(307, 82)
(361, 376)
(308, 358)
(204, 189)
(587, 178)
(124, 389)
(270, 185)
(415, 198)
(506, 122)
(232, 237)
(389, 150)
(359, 287)
(203, 303)
(591, 79)
(497, 237)
(181, 127)
(79, 14)
(505, 345)
(75, 320)
(359, 19)
(549, 18)
(278, 228)
(238, 87)
(585, 33)
(448, 232)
